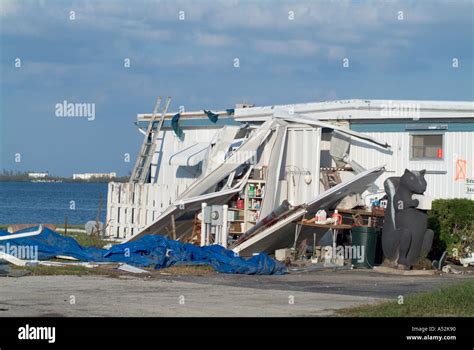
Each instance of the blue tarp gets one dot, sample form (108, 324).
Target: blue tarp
(149, 251)
(175, 125)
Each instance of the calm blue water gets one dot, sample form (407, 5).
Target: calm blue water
(32, 202)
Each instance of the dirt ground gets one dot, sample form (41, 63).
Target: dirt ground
(165, 293)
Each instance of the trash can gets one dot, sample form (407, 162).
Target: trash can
(364, 243)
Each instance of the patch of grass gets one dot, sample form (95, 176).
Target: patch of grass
(195, 270)
(87, 241)
(455, 300)
(183, 270)
(68, 271)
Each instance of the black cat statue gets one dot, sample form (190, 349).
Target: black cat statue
(405, 237)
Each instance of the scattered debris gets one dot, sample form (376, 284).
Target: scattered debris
(4, 269)
(94, 228)
(20, 262)
(392, 271)
(438, 265)
(283, 254)
(59, 263)
(451, 269)
(21, 234)
(316, 267)
(7, 271)
(467, 261)
(64, 257)
(160, 253)
(131, 269)
(20, 227)
(15, 261)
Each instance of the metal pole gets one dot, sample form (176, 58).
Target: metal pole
(173, 227)
(314, 245)
(203, 225)
(225, 228)
(334, 239)
(217, 235)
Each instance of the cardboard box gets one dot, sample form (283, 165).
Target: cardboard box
(282, 254)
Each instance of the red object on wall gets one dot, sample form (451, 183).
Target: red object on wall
(240, 204)
(440, 153)
(461, 170)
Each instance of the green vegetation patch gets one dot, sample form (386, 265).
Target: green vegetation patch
(86, 240)
(455, 300)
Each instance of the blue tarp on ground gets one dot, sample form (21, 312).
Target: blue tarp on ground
(149, 251)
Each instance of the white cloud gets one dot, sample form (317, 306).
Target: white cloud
(217, 40)
(287, 47)
(336, 52)
(327, 29)
(8, 7)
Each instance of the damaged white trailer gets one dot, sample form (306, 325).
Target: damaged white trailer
(292, 164)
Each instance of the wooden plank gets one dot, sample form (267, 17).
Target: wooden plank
(173, 227)
(328, 226)
(109, 207)
(143, 198)
(113, 218)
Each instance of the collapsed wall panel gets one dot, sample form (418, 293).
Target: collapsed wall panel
(280, 232)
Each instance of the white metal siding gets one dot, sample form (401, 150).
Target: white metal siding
(457, 145)
(302, 154)
(172, 144)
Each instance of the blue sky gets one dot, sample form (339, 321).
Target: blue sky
(281, 61)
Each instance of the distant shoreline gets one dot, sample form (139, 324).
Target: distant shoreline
(14, 178)
(65, 181)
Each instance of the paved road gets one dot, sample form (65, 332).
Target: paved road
(306, 294)
(364, 283)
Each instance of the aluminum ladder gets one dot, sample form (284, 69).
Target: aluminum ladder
(147, 150)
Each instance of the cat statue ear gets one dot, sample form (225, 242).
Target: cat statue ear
(423, 172)
(407, 171)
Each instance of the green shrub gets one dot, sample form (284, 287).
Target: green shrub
(452, 220)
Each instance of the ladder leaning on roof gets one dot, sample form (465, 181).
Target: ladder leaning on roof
(147, 150)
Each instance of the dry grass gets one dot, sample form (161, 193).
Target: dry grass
(194, 270)
(70, 271)
(111, 271)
